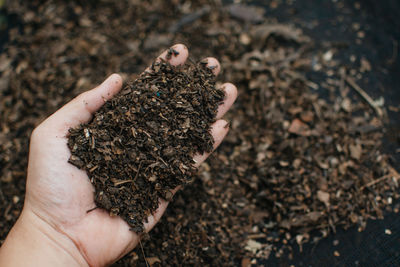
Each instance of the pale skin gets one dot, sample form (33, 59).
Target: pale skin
(54, 228)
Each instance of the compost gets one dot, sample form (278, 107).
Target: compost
(140, 145)
(303, 156)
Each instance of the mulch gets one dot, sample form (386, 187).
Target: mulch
(303, 156)
(141, 144)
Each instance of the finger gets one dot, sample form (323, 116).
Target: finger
(81, 108)
(230, 97)
(213, 64)
(156, 216)
(218, 130)
(179, 53)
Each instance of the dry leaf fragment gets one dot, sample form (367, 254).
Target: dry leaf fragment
(299, 127)
(355, 151)
(253, 246)
(323, 197)
(336, 253)
(296, 163)
(152, 260)
(246, 262)
(307, 116)
(346, 105)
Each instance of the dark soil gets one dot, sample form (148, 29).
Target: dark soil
(303, 159)
(140, 145)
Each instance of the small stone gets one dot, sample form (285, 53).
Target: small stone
(323, 197)
(15, 199)
(299, 127)
(244, 39)
(355, 151)
(328, 55)
(336, 253)
(253, 246)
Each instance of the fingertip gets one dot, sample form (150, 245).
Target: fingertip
(180, 48)
(176, 54)
(213, 64)
(230, 90)
(116, 78)
(231, 94)
(181, 57)
(110, 86)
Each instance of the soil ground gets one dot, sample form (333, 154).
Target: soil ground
(371, 247)
(323, 21)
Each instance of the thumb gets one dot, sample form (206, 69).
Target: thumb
(80, 109)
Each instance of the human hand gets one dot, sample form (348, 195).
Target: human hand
(58, 195)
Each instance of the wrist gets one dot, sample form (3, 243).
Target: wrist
(34, 242)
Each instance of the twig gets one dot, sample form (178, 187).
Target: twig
(376, 181)
(119, 182)
(255, 236)
(342, 72)
(292, 57)
(137, 173)
(317, 110)
(123, 182)
(392, 173)
(163, 161)
(92, 209)
(144, 256)
(365, 96)
(296, 75)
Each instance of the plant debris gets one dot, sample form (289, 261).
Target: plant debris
(140, 145)
(303, 156)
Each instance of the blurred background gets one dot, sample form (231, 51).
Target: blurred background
(281, 54)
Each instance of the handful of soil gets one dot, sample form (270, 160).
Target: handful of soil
(140, 144)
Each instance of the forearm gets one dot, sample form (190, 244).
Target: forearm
(32, 242)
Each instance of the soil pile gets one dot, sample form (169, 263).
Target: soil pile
(303, 156)
(140, 145)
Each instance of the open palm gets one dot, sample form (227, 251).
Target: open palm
(60, 194)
